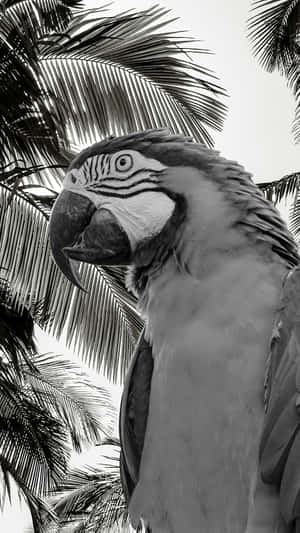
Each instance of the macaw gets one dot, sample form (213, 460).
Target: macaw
(209, 421)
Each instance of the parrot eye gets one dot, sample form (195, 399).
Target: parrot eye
(73, 178)
(123, 163)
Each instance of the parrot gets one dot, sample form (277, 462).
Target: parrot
(210, 412)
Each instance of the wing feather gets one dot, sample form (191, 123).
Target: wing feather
(134, 414)
(280, 442)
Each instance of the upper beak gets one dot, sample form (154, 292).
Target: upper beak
(80, 232)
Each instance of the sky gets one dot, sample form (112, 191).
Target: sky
(257, 131)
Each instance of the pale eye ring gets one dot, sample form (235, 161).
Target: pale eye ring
(124, 163)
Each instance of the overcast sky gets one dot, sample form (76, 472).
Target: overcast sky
(257, 131)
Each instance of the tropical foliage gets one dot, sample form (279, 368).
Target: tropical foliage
(90, 499)
(47, 408)
(274, 29)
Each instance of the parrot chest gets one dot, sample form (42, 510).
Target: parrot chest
(210, 341)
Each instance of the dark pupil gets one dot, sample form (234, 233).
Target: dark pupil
(123, 161)
(73, 179)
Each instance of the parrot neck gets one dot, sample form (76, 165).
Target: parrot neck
(209, 230)
(216, 268)
(226, 288)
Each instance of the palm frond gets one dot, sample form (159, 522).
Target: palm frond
(102, 325)
(41, 513)
(96, 492)
(92, 495)
(61, 387)
(284, 188)
(294, 82)
(273, 30)
(16, 332)
(110, 511)
(33, 444)
(39, 409)
(48, 15)
(112, 75)
(16, 174)
(27, 125)
(294, 217)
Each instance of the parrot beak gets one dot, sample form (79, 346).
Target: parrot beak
(81, 232)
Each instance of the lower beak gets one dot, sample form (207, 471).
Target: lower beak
(80, 232)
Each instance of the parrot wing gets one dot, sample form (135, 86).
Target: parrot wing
(280, 442)
(134, 414)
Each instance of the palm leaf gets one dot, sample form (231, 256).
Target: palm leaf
(294, 82)
(41, 513)
(16, 174)
(39, 411)
(102, 325)
(27, 126)
(16, 332)
(33, 444)
(46, 15)
(273, 30)
(119, 74)
(92, 496)
(68, 394)
(94, 492)
(294, 217)
(275, 191)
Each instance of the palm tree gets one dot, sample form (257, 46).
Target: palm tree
(48, 407)
(90, 498)
(274, 31)
(30, 130)
(274, 28)
(88, 76)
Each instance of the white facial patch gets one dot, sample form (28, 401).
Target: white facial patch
(142, 216)
(125, 183)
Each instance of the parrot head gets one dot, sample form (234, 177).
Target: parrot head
(114, 203)
(126, 201)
